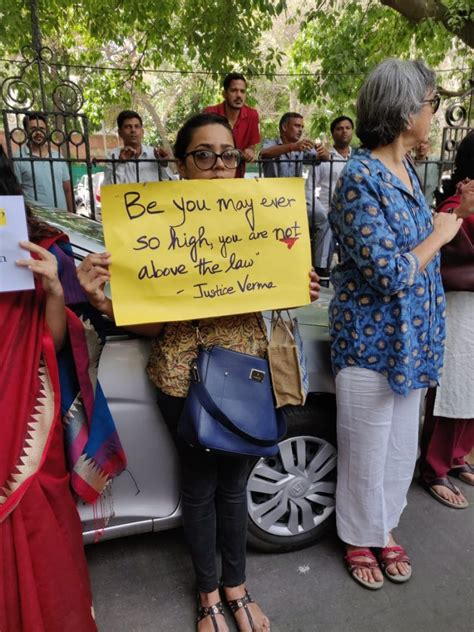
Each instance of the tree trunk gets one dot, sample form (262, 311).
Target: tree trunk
(150, 108)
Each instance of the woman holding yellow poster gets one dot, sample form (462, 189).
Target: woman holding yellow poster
(213, 485)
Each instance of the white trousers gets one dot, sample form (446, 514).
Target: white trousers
(377, 437)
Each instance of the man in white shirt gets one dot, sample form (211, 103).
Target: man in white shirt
(327, 173)
(135, 162)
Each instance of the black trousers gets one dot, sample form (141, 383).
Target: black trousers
(214, 501)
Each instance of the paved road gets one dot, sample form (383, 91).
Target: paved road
(145, 583)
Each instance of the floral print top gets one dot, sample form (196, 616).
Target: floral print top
(386, 314)
(176, 347)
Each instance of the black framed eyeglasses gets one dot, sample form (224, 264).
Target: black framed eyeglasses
(205, 159)
(434, 102)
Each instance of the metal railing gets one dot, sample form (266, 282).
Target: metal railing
(61, 147)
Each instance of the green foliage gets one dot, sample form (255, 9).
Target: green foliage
(192, 93)
(459, 12)
(215, 36)
(269, 125)
(340, 42)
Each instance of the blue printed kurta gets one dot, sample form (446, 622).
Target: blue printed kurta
(386, 314)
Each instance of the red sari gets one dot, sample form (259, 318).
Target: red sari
(44, 584)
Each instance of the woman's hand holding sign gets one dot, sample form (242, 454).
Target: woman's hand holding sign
(314, 286)
(93, 273)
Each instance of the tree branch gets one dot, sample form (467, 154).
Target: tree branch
(444, 92)
(417, 10)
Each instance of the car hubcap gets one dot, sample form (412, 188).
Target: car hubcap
(293, 492)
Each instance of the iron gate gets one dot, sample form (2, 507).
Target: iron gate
(39, 90)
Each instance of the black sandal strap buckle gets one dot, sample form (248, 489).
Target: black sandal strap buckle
(242, 602)
(210, 611)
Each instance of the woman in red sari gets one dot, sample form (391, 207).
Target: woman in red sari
(44, 584)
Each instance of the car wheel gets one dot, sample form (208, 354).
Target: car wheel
(291, 496)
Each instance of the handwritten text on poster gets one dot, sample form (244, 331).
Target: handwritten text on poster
(198, 248)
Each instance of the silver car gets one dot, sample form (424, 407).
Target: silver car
(290, 496)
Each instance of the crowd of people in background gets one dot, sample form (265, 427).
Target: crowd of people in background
(290, 154)
(389, 321)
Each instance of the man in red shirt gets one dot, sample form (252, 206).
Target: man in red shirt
(242, 119)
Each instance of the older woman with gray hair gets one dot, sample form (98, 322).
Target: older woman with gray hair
(387, 315)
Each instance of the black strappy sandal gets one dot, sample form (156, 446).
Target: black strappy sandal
(459, 470)
(210, 611)
(242, 602)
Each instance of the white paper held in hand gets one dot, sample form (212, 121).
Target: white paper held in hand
(13, 229)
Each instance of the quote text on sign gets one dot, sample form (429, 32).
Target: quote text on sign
(198, 248)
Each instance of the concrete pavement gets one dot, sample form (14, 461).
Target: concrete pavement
(145, 583)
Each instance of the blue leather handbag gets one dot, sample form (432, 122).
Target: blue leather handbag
(230, 406)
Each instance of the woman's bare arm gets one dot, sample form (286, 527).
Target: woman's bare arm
(46, 268)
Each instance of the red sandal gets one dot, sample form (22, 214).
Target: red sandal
(353, 564)
(387, 558)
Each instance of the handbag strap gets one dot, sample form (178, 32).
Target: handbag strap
(211, 407)
(261, 326)
(284, 322)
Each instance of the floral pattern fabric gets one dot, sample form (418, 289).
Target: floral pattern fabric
(176, 347)
(386, 314)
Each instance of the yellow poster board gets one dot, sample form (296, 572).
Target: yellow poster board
(198, 248)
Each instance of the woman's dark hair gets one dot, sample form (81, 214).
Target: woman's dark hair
(9, 185)
(185, 134)
(463, 168)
